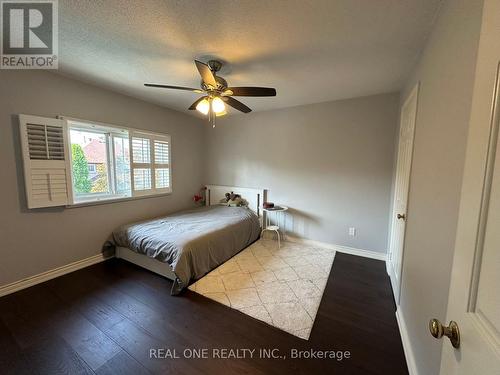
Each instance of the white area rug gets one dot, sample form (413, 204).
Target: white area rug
(282, 287)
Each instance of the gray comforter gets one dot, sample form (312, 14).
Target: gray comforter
(192, 242)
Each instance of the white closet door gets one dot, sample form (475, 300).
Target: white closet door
(401, 188)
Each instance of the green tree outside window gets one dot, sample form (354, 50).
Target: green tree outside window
(80, 170)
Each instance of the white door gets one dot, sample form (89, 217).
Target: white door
(402, 183)
(474, 301)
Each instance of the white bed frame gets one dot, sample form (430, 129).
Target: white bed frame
(214, 193)
(145, 262)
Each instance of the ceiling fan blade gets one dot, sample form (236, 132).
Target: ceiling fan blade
(251, 91)
(173, 87)
(206, 74)
(236, 104)
(193, 106)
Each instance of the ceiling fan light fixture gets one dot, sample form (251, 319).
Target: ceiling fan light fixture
(218, 105)
(217, 93)
(203, 106)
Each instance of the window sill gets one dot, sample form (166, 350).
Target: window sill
(115, 200)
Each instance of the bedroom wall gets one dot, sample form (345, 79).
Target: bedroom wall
(446, 71)
(40, 240)
(331, 163)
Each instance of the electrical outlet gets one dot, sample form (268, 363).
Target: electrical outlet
(352, 231)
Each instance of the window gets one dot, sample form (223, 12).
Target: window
(150, 163)
(94, 165)
(112, 163)
(68, 162)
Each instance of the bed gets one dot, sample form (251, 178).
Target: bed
(184, 246)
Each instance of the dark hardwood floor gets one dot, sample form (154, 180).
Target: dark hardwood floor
(105, 319)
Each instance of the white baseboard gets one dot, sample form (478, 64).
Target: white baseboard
(388, 265)
(342, 249)
(405, 338)
(396, 289)
(41, 277)
(389, 269)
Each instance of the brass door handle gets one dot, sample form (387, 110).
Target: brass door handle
(401, 216)
(452, 331)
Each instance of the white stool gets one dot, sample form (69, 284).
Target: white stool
(273, 228)
(279, 212)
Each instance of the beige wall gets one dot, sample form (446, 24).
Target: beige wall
(39, 240)
(446, 74)
(331, 163)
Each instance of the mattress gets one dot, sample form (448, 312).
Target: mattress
(191, 242)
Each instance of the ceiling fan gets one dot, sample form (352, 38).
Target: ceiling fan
(217, 93)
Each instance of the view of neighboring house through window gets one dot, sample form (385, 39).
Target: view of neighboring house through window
(101, 165)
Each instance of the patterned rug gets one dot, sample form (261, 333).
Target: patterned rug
(282, 287)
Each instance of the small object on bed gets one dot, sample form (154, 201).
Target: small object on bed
(231, 196)
(233, 200)
(268, 205)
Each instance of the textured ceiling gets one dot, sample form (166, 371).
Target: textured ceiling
(310, 51)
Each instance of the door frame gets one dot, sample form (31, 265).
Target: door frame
(396, 282)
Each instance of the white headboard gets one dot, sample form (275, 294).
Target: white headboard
(254, 197)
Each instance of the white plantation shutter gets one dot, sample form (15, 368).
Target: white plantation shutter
(141, 165)
(162, 163)
(45, 158)
(150, 163)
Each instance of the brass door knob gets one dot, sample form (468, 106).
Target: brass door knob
(401, 216)
(452, 331)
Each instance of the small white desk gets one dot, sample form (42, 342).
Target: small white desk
(279, 218)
